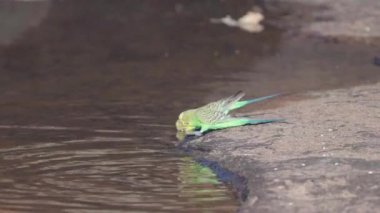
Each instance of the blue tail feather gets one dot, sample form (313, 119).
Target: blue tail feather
(263, 121)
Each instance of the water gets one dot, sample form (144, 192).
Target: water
(91, 91)
(91, 157)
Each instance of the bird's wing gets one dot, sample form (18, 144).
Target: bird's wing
(227, 103)
(216, 111)
(211, 113)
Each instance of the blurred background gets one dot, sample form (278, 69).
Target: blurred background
(90, 92)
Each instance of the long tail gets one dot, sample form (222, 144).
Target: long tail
(240, 104)
(264, 121)
(233, 122)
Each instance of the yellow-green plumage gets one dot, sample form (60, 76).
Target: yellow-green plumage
(215, 115)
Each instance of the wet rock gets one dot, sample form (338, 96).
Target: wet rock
(291, 167)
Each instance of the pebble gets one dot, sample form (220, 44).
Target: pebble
(370, 172)
(275, 169)
(303, 164)
(336, 164)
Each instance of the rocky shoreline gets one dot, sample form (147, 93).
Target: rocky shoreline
(326, 158)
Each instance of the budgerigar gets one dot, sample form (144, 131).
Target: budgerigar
(215, 115)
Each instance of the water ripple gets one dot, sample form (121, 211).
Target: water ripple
(91, 172)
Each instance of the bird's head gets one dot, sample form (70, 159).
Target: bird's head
(184, 122)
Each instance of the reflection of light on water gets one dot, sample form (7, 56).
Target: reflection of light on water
(107, 176)
(86, 168)
(37, 127)
(194, 173)
(199, 183)
(59, 128)
(156, 125)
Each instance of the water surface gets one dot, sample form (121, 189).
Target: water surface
(90, 159)
(90, 91)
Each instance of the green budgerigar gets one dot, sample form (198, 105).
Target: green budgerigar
(215, 115)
